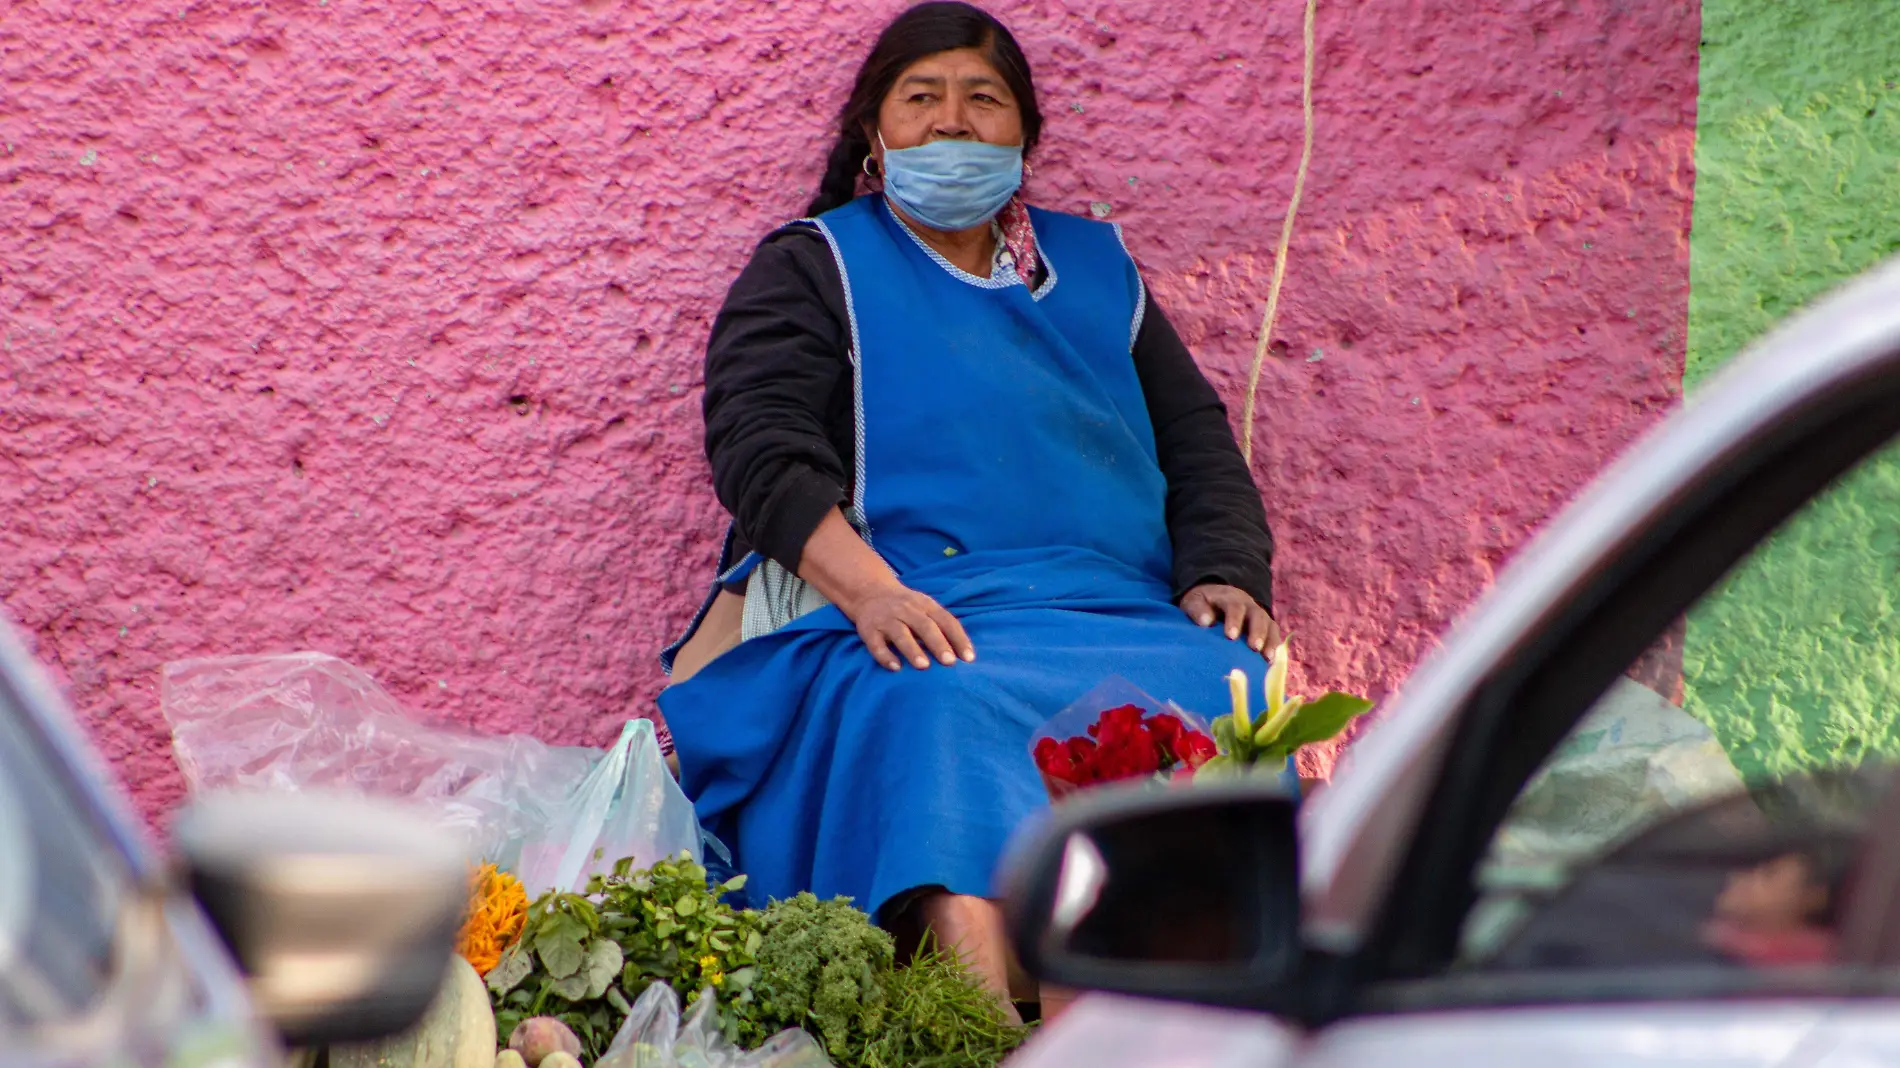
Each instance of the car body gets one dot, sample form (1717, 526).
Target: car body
(112, 953)
(1389, 860)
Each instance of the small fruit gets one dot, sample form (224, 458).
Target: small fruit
(510, 1059)
(541, 1037)
(561, 1059)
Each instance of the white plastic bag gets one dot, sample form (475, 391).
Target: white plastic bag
(627, 806)
(300, 721)
(551, 814)
(654, 1036)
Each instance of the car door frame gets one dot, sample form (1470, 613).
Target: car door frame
(1519, 709)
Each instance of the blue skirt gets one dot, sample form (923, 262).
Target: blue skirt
(823, 771)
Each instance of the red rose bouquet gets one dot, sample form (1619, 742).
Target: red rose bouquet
(1131, 737)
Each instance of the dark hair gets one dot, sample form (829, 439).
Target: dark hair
(923, 31)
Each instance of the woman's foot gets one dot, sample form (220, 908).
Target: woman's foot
(972, 928)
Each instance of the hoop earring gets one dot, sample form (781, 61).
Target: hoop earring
(866, 168)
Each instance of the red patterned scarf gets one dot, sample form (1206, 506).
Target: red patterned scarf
(1019, 238)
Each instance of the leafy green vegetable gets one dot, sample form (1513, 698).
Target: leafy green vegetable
(585, 958)
(938, 1016)
(825, 967)
(820, 965)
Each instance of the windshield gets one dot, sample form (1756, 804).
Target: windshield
(60, 887)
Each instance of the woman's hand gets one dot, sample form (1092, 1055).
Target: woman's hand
(896, 623)
(900, 622)
(1210, 603)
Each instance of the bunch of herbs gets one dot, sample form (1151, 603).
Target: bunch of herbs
(585, 958)
(937, 1015)
(822, 966)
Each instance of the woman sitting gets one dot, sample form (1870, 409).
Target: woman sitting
(973, 472)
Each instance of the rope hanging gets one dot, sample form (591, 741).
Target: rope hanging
(1286, 239)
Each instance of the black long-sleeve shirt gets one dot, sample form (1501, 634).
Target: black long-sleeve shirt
(780, 428)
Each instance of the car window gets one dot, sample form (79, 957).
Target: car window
(1714, 807)
(61, 887)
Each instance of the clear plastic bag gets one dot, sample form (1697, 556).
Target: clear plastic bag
(303, 721)
(627, 806)
(654, 1036)
(1075, 720)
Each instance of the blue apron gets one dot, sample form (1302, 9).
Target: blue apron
(1005, 467)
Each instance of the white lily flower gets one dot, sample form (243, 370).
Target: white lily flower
(1280, 711)
(1237, 687)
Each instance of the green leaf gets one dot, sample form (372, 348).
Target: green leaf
(1317, 721)
(601, 967)
(514, 966)
(505, 1023)
(562, 924)
(618, 1001)
(1218, 768)
(752, 941)
(737, 882)
(1224, 734)
(686, 905)
(573, 988)
(1245, 750)
(561, 955)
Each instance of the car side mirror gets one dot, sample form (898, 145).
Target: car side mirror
(341, 911)
(1191, 894)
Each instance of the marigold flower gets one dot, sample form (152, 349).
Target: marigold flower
(497, 910)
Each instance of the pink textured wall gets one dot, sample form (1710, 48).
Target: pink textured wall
(374, 326)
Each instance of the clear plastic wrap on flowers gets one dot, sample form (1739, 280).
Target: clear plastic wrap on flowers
(1118, 733)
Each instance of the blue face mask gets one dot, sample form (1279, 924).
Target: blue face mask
(952, 185)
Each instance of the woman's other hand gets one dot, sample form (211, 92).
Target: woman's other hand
(1213, 603)
(900, 622)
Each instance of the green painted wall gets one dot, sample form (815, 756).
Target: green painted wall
(1796, 660)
